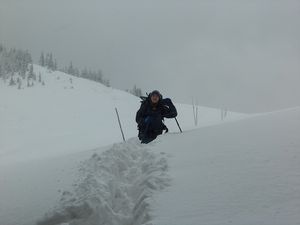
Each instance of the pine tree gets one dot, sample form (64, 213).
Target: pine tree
(55, 65)
(100, 76)
(71, 69)
(42, 59)
(47, 60)
(76, 72)
(84, 73)
(31, 73)
(19, 83)
(136, 91)
(51, 62)
(14, 61)
(12, 81)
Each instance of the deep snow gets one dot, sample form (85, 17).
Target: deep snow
(57, 164)
(114, 187)
(245, 172)
(68, 116)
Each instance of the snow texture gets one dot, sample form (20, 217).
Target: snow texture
(48, 130)
(245, 172)
(63, 118)
(114, 188)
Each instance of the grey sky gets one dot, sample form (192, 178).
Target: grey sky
(244, 55)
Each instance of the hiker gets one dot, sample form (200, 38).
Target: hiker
(151, 114)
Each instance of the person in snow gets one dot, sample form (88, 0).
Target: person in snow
(151, 114)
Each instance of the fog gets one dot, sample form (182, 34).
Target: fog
(242, 55)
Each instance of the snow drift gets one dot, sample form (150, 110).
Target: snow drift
(245, 172)
(52, 139)
(114, 188)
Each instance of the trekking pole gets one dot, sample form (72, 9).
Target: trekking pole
(178, 125)
(120, 124)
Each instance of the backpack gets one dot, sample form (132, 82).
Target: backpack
(169, 107)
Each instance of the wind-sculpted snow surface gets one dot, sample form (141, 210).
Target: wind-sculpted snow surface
(113, 189)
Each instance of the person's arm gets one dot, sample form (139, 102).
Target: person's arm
(140, 114)
(169, 109)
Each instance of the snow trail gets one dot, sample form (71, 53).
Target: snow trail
(114, 188)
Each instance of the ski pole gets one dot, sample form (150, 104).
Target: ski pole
(178, 125)
(120, 124)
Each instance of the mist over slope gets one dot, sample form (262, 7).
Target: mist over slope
(58, 165)
(69, 114)
(50, 131)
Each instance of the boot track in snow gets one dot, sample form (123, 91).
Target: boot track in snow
(114, 188)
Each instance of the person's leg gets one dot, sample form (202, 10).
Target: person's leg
(141, 134)
(165, 128)
(142, 130)
(154, 127)
(147, 140)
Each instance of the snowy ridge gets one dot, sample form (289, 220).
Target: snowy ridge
(114, 188)
(46, 130)
(70, 114)
(246, 172)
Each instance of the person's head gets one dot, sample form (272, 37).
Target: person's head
(155, 96)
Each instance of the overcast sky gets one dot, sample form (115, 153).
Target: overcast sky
(244, 55)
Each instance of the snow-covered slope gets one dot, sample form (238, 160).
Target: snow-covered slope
(49, 136)
(54, 161)
(60, 117)
(246, 172)
(70, 114)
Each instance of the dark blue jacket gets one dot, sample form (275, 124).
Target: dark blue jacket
(155, 113)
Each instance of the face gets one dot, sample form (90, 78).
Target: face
(154, 98)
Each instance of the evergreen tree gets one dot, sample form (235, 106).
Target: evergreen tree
(55, 65)
(14, 61)
(51, 62)
(136, 91)
(84, 73)
(76, 72)
(99, 76)
(28, 84)
(47, 60)
(19, 82)
(42, 59)
(12, 81)
(23, 72)
(71, 69)
(31, 73)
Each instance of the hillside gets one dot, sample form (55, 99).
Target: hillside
(246, 172)
(69, 114)
(48, 131)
